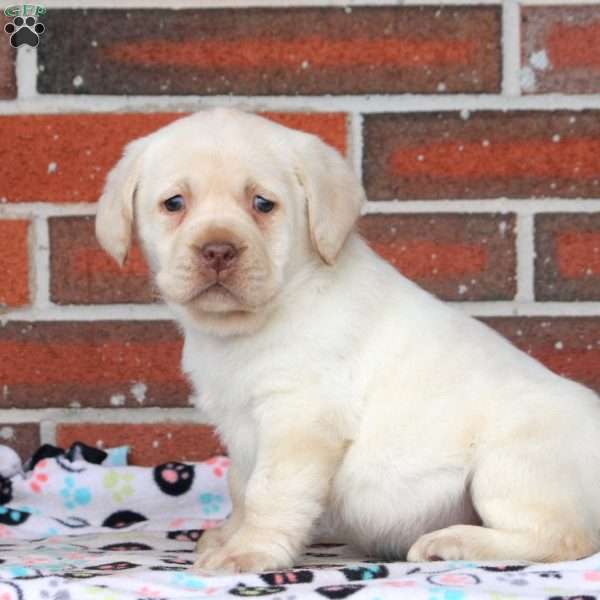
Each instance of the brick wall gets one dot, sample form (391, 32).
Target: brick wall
(475, 127)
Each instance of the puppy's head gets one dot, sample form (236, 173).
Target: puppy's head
(229, 207)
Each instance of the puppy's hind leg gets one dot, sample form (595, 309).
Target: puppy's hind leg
(385, 514)
(532, 508)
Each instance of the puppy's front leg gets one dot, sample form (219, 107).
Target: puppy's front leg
(213, 539)
(284, 496)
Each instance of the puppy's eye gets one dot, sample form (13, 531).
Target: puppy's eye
(174, 204)
(262, 204)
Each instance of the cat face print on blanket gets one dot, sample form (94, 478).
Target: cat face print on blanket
(341, 390)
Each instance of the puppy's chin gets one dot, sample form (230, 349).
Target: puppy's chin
(235, 320)
(217, 311)
(216, 299)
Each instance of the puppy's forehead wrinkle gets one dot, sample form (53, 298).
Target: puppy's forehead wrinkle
(218, 163)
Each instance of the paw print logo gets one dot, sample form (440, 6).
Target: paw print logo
(120, 484)
(24, 31)
(74, 496)
(211, 503)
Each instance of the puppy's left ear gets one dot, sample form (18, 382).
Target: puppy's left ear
(334, 195)
(114, 217)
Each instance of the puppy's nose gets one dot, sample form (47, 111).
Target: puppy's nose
(219, 256)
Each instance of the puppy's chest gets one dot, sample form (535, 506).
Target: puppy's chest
(224, 392)
(225, 381)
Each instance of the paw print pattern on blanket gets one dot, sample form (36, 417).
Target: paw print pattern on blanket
(447, 595)
(513, 579)
(219, 465)
(338, 592)
(211, 503)
(120, 484)
(190, 582)
(55, 592)
(362, 573)
(288, 577)
(39, 477)
(252, 591)
(101, 593)
(174, 479)
(74, 496)
(592, 575)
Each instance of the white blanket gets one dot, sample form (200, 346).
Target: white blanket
(131, 535)
(150, 565)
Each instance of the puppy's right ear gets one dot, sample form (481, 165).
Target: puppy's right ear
(114, 217)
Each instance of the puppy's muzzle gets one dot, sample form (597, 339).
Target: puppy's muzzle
(219, 256)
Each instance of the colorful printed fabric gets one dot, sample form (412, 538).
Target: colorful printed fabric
(150, 565)
(79, 531)
(60, 497)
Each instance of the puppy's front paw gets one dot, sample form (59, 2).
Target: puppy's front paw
(444, 544)
(238, 561)
(211, 540)
(248, 550)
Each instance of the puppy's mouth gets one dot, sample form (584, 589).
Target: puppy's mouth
(215, 297)
(217, 287)
(187, 292)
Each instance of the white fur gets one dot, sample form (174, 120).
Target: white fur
(350, 392)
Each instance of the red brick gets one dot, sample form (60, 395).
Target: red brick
(99, 364)
(569, 346)
(482, 155)
(267, 51)
(151, 443)
(68, 156)
(567, 264)
(8, 82)
(456, 257)
(24, 438)
(560, 49)
(14, 263)
(81, 272)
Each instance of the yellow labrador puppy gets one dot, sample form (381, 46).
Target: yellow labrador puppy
(338, 386)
